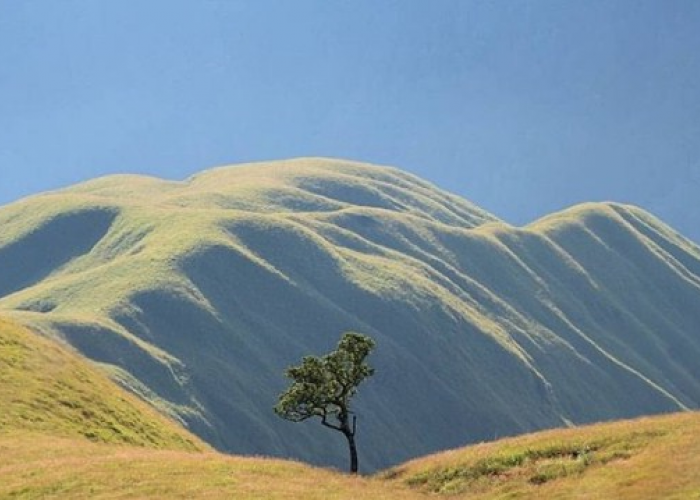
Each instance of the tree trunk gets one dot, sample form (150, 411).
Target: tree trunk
(353, 452)
(349, 433)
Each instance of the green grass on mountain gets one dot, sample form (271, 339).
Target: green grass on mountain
(47, 390)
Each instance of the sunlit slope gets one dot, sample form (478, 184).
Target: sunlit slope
(197, 294)
(653, 457)
(47, 391)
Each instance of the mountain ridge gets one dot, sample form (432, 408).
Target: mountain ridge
(196, 298)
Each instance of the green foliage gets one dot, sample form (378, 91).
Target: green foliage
(322, 386)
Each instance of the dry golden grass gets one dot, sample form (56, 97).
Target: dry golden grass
(34, 466)
(649, 458)
(653, 457)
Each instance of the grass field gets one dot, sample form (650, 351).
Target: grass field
(44, 467)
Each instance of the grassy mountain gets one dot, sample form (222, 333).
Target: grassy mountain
(646, 458)
(196, 295)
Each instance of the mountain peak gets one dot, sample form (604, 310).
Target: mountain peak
(289, 186)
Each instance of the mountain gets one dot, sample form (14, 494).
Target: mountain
(196, 295)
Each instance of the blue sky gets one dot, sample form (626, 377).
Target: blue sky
(523, 107)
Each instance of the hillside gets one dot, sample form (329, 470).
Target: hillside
(68, 432)
(46, 392)
(62, 468)
(197, 294)
(51, 448)
(653, 457)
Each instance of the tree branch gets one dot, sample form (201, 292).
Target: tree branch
(328, 424)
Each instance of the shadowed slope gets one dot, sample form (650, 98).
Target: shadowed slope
(46, 247)
(202, 292)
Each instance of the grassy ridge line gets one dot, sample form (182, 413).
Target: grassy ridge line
(46, 389)
(652, 457)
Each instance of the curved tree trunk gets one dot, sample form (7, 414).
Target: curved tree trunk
(348, 432)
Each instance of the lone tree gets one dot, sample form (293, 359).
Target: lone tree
(323, 386)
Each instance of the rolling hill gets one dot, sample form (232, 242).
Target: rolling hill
(195, 295)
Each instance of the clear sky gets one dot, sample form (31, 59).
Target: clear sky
(523, 107)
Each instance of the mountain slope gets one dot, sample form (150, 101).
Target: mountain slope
(632, 460)
(67, 432)
(47, 391)
(197, 294)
